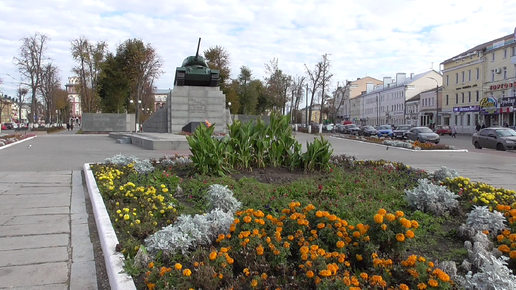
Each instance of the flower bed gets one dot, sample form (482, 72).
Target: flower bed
(348, 225)
(10, 139)
(413, 145)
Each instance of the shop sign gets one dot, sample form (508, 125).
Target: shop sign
(507, 102)
(466, 109)
(502, 86)
(488, 105)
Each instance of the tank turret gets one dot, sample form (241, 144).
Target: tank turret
(195, 72)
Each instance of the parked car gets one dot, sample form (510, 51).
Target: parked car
(339, 128)
(423, 134)
(368, 130)
(4, 127)
(351, 129)
(9, 126)
(499, 138)
(385, 131)
(400, 131)
(443, 130)
(328, 128)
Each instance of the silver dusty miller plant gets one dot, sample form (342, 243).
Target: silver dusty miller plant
(442, 173)
(429, 197)
(192, 231)
(480, 218)
(140, 166)
(176, 160)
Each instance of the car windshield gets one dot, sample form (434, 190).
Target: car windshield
(368, 127)
(505, 133)
(385, 127)
(403, 128)
(425, 130)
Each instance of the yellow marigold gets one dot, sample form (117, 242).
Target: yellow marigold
(378, 218)
(433, 283)
(399, 214)
(258, 214)
(263, 276)
(382, 211)
(359, 257)
(504, 249)
(325, 273)
(340, 244)
(314, 247)
(178, 266)
(246, 271)
(364, 276)
(410, 234)
(254, 283)
(213, 256)
(400, 237)
(310, 274)
(187, 272)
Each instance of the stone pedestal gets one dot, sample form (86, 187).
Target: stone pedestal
(187, 104)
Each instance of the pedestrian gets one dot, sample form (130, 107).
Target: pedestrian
(67, 126)
(454, 131)
(506, 125)
(483, 125)
(478, 127)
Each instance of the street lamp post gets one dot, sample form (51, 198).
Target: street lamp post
(436, 100)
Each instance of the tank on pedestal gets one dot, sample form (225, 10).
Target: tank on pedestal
(195, 72)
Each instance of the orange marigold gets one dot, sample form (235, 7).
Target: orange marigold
(504, 249)
(364, 276)
(384, 227)
(187, 272)
(340, 244)
(404, 287)
(410, 234)
(399, 213)
(421, 286)
(512, 255)
(247, 219)
(213, 255)
(254, 283)
(382, 211)
(390, 217)
(310, 274)
(415, 224)
(318, 214)
(178, 266)
(433, 283)
(400, 237)
(378, 218)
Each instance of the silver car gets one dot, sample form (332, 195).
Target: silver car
(498, 138)
(423, 134)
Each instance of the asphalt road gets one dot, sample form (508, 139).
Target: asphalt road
(68, 151)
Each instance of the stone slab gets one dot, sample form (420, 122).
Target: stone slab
(33, 242)
(33, 256)
(29, 276)
(34, 229)
(81, 276)
(26, 201)
(46, 219)
(82, 249)
(34, 210)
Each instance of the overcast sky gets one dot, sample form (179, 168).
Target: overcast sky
(363, 37)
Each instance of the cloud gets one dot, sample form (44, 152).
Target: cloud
(365, 37)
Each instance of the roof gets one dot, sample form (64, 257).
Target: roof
(479, 47)
(414, 98)
(407, 81)
(161, 91)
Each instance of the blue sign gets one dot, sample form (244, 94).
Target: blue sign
(466, 109)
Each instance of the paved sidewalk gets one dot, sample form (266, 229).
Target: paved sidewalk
(44, 235)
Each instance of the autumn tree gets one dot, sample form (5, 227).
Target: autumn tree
(244, 80)
(218, 59)
(278, 85)
(89, 57)
(30, 64)
(21, 92)
(142, 65)
(296, 91)
(49, 85)
(113, 85)
(325, 82)
(314, 81)
(61, 104)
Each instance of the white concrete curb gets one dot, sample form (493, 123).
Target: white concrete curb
(401, 148)
(9, 145)
(118, 278)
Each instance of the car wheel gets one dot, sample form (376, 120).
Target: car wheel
(419, 140)
(477, 146)
(500, 147)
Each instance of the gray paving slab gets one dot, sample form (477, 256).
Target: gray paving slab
(30, 275)
(27, 201)
(34, 242)
(33, 256)
(40, 219)
(35, 229)
(81, 277)
(34, 210)
(41, 287)
(80, 240)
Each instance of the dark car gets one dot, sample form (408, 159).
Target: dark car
(9, 126)
(367, 130)
(339, 128)
(351, 129)
(400, 131)
(385, 131)
(498, 138)
(443, 130)
(423, 134)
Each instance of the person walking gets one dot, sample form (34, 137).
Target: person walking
(478, 127)
(454, 131)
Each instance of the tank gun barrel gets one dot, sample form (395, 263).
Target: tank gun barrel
(198, 45)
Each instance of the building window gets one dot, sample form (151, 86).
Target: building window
(493, 57)
(492, 75)
(469, 97)
(447, 100)
(468, 120)
(514, 51)
(478, 73)
(504, 73)
(456, 98)
(478, 96)
(456, 78)
(505, 53)
(463, 76)
(462, 94)
(447, 80)
(469, 75)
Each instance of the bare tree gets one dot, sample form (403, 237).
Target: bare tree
(314, 79)
(278, 84)
(89, 57)
(325, 82)
(49, 85)
(30, 64)
(21, 93)
(296, 91)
